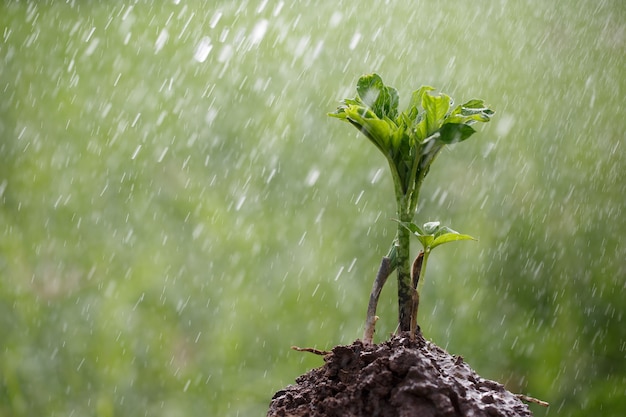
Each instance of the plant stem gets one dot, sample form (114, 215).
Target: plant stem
(420, 283)
(405, 289)
(416, 270)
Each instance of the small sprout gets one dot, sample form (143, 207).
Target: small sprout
(410, 141)
(432, 234)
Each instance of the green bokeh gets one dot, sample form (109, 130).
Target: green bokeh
(172, 221)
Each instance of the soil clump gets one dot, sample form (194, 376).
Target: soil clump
(400, 378)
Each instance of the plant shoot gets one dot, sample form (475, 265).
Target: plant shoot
(410, 141)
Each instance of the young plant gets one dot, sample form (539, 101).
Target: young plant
(410, 141)
(430, 236)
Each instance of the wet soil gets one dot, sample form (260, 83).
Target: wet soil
(399, 378)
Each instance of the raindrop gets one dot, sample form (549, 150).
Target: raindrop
(339, 273)
(301, 47)
(225, 54)
(90, 34)
(160, 159)
(135, 120)
(160, 118)
(261, 6)
(258, 32)
(355, 40)
(352, 265)
(136, 152)
(312, 177)
(356, 202)
(319, 216)
(267, 181)
(203, 49)
(505, 124)
(335, 19)
(161, 39)
(184, 29)
(197, 231)
(224, 35)
(278, 8)
(317, 287)
(442, 198)
(377, 175)
(211, 114)
(92, 47)
(215, 19)
(489, 146)
(242, 200)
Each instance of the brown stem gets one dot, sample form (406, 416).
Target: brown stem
(405, 291)
(532, 400)
(312, 350)
(384, 271)
(415, 299)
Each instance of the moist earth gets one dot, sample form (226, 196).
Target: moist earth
(401, 378)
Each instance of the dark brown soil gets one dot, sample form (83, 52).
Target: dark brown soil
(399, 378)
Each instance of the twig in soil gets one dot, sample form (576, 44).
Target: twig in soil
(532, 400)
(381, 277)
(312, 350)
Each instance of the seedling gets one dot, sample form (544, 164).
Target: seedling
(410, 141)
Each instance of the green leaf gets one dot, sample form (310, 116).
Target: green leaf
(380, 132)
(443, 230)
(412, 227)
(393, 99)
(470, 112)
(455, 132)
(431, 228)
(433, 234)
(436, 108)
(449, 237)
(426, 241)
(424, 238)
(412, 139)
(369, 88)
(383, 100)
(419, 121)
(398, 138)
(476, 105)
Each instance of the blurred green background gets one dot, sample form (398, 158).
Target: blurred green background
(177, 210)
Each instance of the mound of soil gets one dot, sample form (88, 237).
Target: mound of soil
(399, 378)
